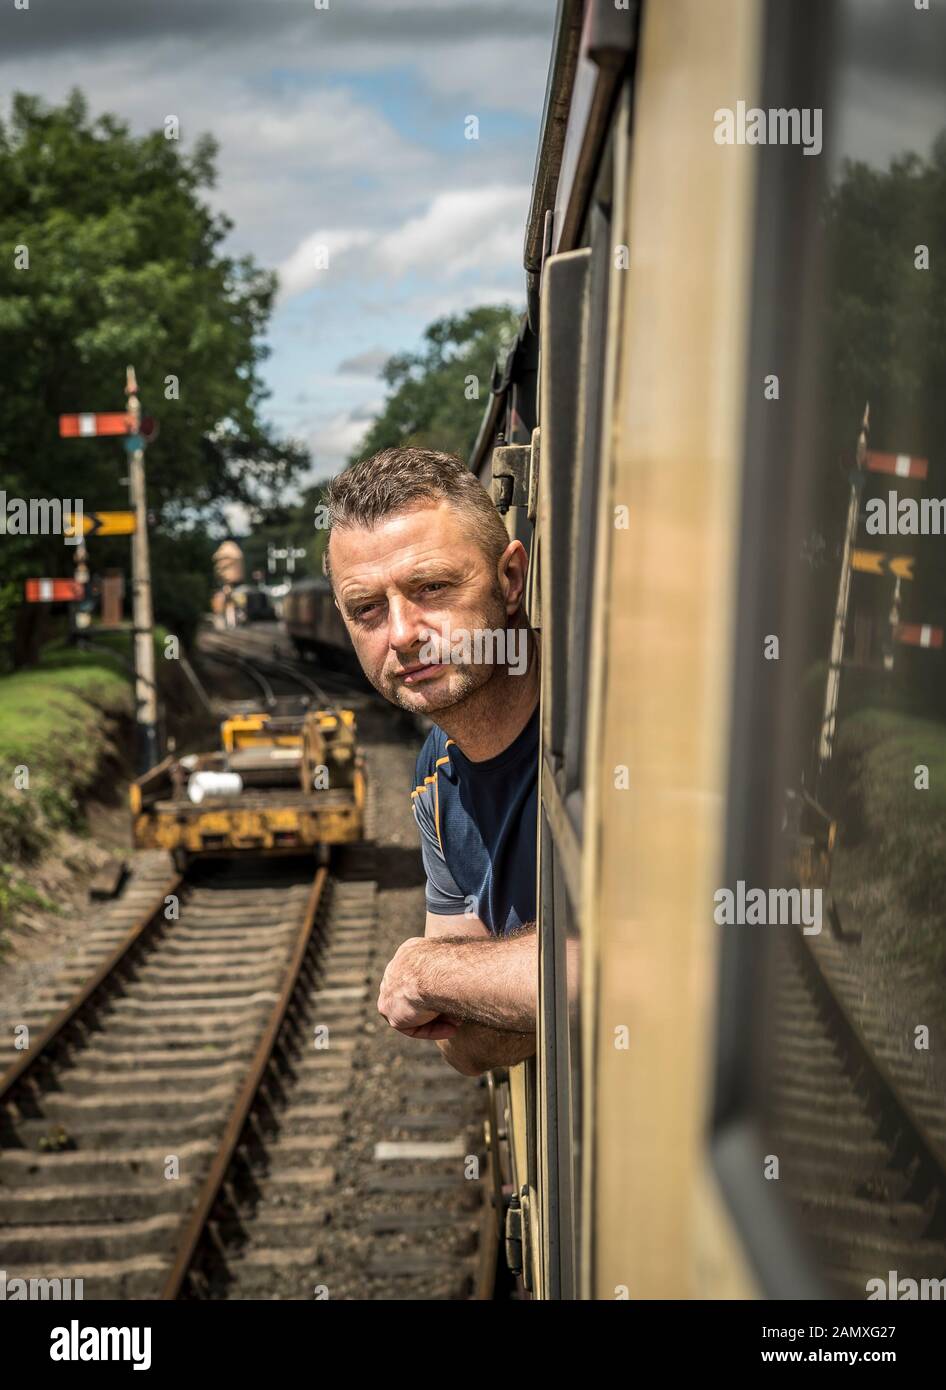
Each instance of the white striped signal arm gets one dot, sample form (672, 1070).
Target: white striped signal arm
(900, 465)
(918, 634)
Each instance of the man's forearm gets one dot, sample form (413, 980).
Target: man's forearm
(493, 983)
(474, 1049)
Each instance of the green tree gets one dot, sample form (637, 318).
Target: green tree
(886, 340)
(182, 579)
(882, 341)
(108, 255)
(436, 398)
(437, 395)
(292, 523)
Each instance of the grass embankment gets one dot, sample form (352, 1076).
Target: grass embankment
(896, 832)
(59, 729)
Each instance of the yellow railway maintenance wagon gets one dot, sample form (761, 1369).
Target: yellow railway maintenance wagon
(279, 785)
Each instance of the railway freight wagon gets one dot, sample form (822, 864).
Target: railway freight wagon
(315, 625)
(278, 785)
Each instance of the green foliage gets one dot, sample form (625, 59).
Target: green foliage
(182, 580)
(288, 523)
(431, 402)
(896, 832)
(55, 720)
(882, 340)
(16, 894)
(886, 318)
(10, 597)
(125, 266)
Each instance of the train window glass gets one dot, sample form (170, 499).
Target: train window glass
(584, 512)
(560, 1072)
(574, 326)
(834, 956)
(574, 294)
(564, 291)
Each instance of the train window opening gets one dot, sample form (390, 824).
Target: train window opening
(585, 512)
(574, 340)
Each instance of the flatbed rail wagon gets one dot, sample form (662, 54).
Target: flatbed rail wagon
(278, 785)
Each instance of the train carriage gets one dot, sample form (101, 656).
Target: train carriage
(720, 332)
(315, 625)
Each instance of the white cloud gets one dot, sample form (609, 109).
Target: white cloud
(339, 129)
(308, 142)
(314, 259)
(466, 229)
(435, 303)
(506, 74)
(461, 230)
(285, 157)
(334, 440)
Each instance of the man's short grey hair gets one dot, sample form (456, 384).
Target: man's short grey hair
(395, 480)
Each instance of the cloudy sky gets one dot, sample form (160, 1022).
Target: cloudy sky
(342, 138)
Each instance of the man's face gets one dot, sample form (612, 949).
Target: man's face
(404, 587)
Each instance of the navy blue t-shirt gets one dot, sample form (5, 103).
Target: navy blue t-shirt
(477, 825)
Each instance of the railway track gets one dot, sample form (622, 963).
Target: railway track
(262, 663)
(194, 1122)
(367, 1222)
(112, 1114)
(211, 1107)
(861, 1152)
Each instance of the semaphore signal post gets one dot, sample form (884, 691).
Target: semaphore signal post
(134, 523)
(900, 567)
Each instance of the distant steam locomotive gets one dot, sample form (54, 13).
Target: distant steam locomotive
(315, 625)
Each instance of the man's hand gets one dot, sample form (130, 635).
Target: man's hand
(433, 984)
(475, 1049)
(401, 1000)
(469, 1048)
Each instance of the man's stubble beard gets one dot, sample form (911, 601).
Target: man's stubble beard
(465, 681)
(472, 678)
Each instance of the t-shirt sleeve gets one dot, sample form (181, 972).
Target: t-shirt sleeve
(443, 895)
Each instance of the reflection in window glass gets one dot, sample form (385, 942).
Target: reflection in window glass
(855, 1062)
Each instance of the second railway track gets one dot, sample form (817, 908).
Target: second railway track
(264, 665)
(860, 1154)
